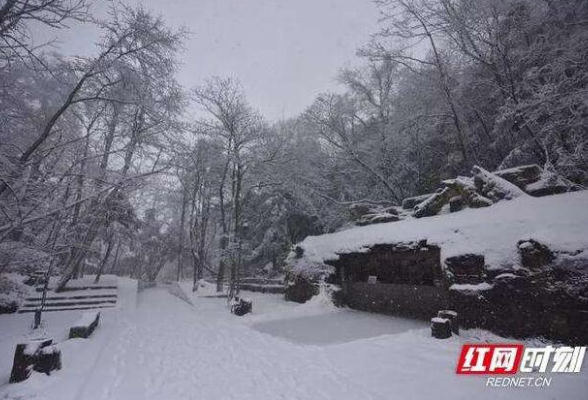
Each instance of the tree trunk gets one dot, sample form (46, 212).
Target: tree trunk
(113, 268)
(181, 236)
(224, 241)
(104, 260)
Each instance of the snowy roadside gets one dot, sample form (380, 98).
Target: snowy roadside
(79, 356)
(167, 349)
(266, 307)
(388, 357)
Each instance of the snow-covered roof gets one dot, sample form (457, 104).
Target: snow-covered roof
(559, 221)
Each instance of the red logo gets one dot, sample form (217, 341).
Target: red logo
(491, 359)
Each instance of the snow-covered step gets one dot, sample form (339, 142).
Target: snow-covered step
(69, 303)
(71, 308)
(78, 288)
(80, 294)
(96, 296)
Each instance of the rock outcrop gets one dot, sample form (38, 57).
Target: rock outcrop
(485, 188)
(300, 289)
(548, 298)
(537, 181)
(362, 214)
(534, 255)
(410, 202)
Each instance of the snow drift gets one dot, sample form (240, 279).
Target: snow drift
(559, 221)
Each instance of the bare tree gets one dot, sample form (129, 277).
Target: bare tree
(415, 22)
(16, 16)
(237, 129)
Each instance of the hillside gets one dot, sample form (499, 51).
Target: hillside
(560, 222)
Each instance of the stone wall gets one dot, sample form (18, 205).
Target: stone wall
(416, 301)
(409, 279)
(399, 263)
(520, 306)
(547, 296)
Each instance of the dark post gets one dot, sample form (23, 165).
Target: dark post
(440, 328)
(39, 311)
(451, 316)
(37, 321)
(25, 357)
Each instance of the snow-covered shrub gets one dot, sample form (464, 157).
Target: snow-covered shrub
(12, 292)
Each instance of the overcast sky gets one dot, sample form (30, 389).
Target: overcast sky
(285, 52)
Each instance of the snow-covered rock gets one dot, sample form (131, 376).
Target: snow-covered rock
(494, 187)
(550, 183)
(560, 221)
(362, 214)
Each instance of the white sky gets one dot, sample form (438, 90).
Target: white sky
(285, 52)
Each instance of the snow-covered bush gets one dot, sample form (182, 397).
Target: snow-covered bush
(12, 292)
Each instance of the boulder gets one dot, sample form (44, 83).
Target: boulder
(358, 210)
(433, 204)
(410, 202)
(390, 210)
(464, 187)
(456, 203)
(494, 187)
(521, 175)
(534, 255)
(550, 183)
(300, 290)
(366, 214)
(377, 218)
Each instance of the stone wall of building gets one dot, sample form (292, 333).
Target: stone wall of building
(523, 306)
(416, 301)
(409, 279)
(547, 296)
(400, 263)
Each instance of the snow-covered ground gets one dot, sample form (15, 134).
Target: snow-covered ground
(167, 349)
(559, 221)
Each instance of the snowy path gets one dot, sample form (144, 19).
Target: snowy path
(168, 351)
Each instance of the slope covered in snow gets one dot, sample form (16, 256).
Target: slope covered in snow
(559, 221)
(166, 349)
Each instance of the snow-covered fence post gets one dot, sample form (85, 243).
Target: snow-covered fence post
(451, 316)
(85, 325)
(48, 359)
(440, 328)
(39, 355)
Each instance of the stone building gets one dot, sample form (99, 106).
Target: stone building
(404, 279)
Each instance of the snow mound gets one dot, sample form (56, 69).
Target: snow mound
(561, 222)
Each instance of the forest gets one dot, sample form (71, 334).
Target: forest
(109, 165)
